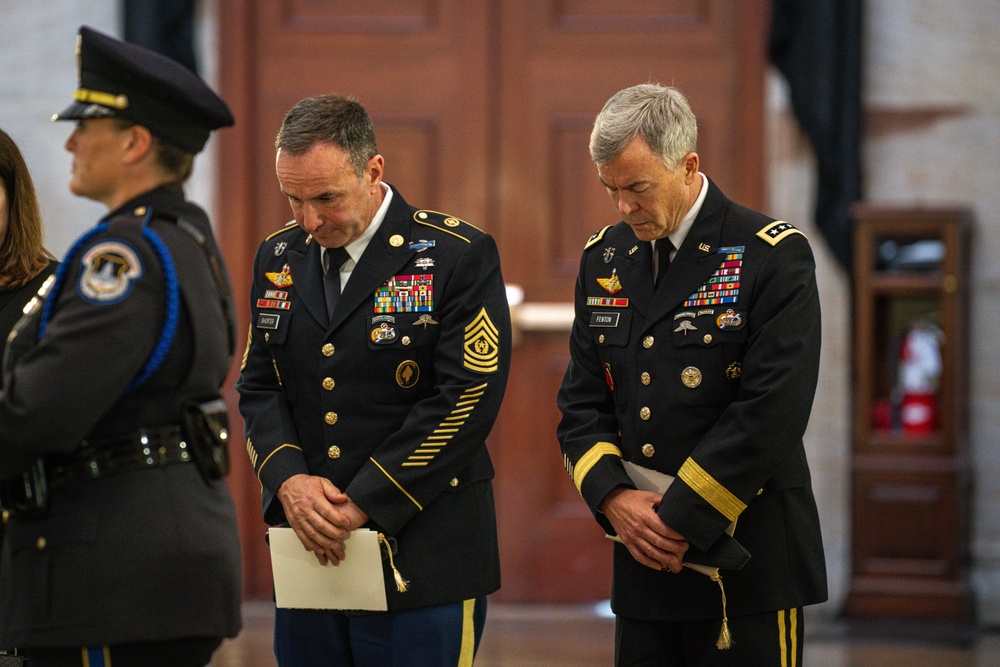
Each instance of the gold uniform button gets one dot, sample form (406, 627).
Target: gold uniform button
(645, 378)
(41, 543)
(648, 450)
(454, 481)
(644, 414)
(6, 516)
(600, 339)
(648, 341)
(691, 377)
(395, 240)
(139, 211)
(405, 340)
(267, 337)
(328, 383)
(708, 338)
(330, 418)
(328, 350)
(333, 452)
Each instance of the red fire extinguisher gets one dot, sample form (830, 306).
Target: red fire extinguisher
(919, 372)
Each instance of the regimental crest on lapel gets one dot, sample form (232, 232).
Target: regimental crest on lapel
(611, 285)
(723, 286)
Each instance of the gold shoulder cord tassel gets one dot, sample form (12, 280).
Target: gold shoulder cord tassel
(402, 585)
(725, 638)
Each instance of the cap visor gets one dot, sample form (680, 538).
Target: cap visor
(80, 110)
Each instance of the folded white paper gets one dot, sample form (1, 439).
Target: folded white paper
(300, 582)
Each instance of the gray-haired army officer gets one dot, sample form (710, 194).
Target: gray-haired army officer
(694, 353)
(122, 545)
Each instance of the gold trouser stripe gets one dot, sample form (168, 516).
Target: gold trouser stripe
(590, 459)
(789, 658)
(708, 488)
(106, 657)
(398, 486)
(468, 634)
(264, 463)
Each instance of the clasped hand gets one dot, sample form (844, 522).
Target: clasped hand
(651, 542)
(321, 515)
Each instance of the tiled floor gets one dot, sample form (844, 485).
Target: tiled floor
(583, 636)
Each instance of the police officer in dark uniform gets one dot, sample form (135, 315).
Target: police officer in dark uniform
(376, 363)
(694, 353)
(122, 545)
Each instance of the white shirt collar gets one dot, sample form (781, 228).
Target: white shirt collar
(356, 248)
(678, 235)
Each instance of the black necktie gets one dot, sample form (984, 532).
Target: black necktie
(333, 258)
(663, 250)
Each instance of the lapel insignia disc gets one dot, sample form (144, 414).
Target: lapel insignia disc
(611, 285)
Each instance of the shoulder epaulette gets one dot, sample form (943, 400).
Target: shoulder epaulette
(596, 237)
(288, 227)
(448, 224)
(777, 231)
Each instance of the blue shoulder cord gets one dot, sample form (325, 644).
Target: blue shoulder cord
(170, 318)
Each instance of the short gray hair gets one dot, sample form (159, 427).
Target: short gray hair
(659, 114)
(329, 119)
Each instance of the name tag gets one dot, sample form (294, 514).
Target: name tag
(604, 319)
(268, 321)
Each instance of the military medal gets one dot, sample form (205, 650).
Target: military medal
(611, 285)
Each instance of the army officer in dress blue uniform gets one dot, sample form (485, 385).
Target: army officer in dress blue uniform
(377, 359)
(122, 544)
(706, 374)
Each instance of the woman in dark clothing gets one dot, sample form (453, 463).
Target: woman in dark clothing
(24, 263)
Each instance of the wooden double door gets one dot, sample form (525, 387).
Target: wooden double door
(483, 109)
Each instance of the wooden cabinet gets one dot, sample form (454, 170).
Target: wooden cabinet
(909, 470)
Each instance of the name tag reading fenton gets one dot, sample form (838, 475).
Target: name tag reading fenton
(604, 319)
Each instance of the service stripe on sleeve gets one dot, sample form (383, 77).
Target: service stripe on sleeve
(708, 488)
(590, 459)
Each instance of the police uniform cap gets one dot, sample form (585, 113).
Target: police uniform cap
(123, 80)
